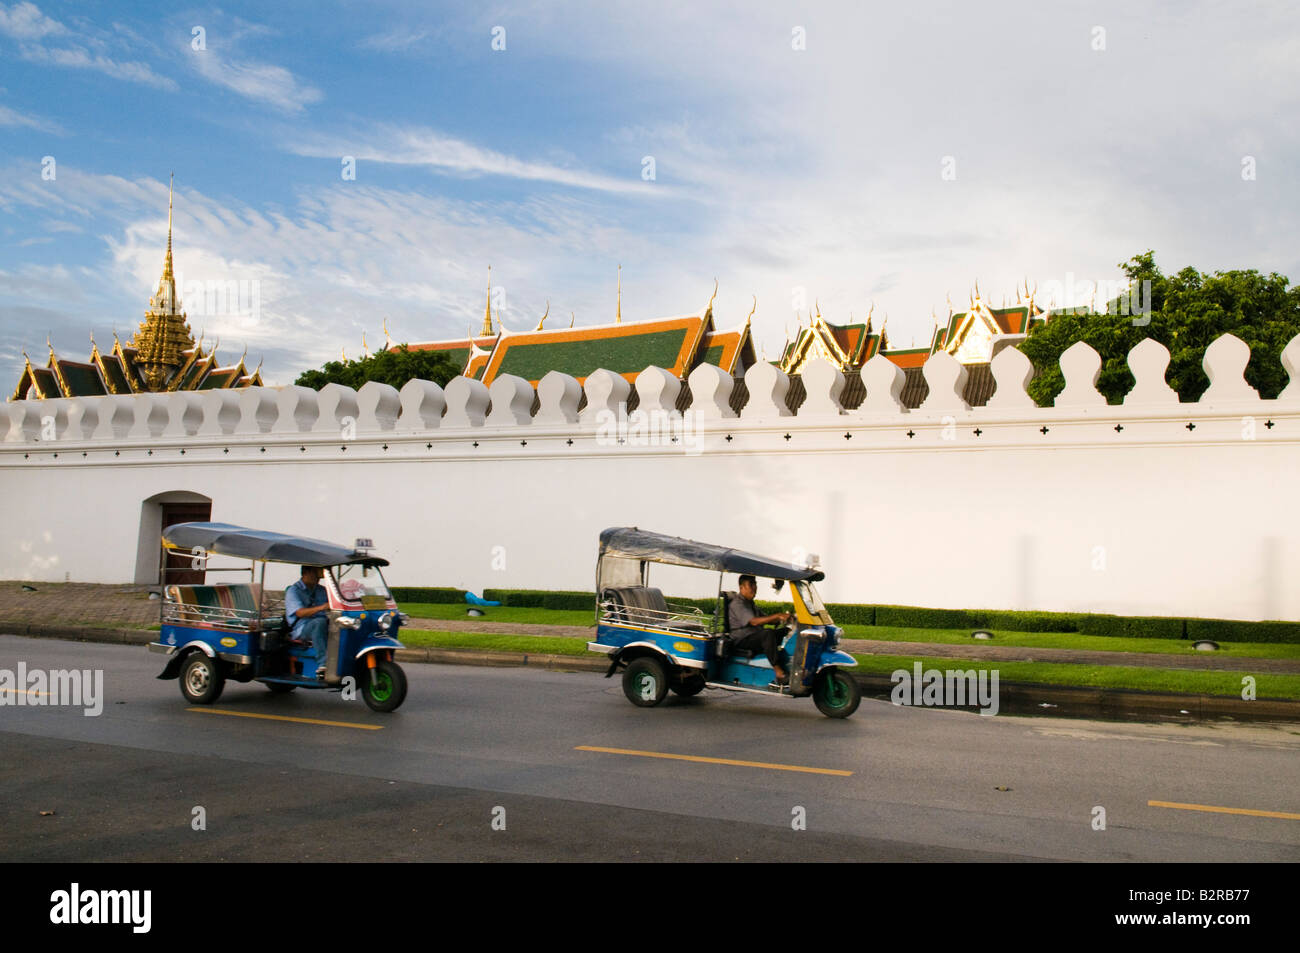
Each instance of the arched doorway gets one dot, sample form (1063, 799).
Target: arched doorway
(156, 513)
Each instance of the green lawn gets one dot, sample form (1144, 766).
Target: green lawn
(1090, 676)
(1070, 640)
(1047, 640)
(1100, 676)
(486, 642)
(440, 610)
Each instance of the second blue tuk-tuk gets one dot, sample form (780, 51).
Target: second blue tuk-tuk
(238, 631)
(660, 646)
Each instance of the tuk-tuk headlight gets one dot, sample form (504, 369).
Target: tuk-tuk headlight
(349, 621)
(385, 621)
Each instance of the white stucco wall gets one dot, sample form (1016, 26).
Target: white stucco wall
(1153, 518)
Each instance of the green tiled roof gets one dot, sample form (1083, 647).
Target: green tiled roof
(113, 371)
(219, 379)
(83, 380)
(626, 354)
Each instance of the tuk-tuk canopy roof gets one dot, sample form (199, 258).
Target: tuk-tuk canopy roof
(628, 542)
(227, 540)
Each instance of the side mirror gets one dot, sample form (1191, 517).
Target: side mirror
(777, 584)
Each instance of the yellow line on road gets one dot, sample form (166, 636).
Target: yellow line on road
(1224, 810)
(693, 757)
(301, 721)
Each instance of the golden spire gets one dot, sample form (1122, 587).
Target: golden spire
(388, 341)
(365, 348)
(487, 313)
(167, 262)
(618, 309)
(708, 312)
(543, 318)
(342, 353)
(751, 311)
(571, 319)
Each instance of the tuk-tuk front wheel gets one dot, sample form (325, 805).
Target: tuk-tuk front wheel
(201, 679)
(836, 693)
(383, 687)
(645, 682)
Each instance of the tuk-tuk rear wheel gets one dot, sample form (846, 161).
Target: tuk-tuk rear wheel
(201, 679)
(383, 687)
(645, 682)
(836, 693)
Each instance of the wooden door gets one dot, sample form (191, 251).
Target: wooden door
(179, 566)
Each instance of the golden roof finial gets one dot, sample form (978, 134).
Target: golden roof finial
(543, 318)
(48, 344)
(571, 319)
(618, 308)
(818, 305)
(751, 311)
(387, 340)
(487, 313)
(365, 348)
(342, 353)
(708, 312)
(167, 262)
(950, 304)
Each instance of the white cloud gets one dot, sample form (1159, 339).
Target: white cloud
(263, 82)
(417, 146)
(75, 57)
(24, 21)
(10, 117)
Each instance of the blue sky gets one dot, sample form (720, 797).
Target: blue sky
(797, 175)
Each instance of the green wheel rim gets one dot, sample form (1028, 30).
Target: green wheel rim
(381, 685)
(834, 692)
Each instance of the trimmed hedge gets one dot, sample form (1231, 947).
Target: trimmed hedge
(913, 617)
(1233, 630)
(426, 594)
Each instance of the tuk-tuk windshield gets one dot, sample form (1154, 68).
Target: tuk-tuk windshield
(359, 583)
(813, 602)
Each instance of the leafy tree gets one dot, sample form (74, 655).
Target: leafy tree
(392, 365)
(1187, 312)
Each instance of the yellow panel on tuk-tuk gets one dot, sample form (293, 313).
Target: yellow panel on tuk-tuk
(801, 612)
(374, 602)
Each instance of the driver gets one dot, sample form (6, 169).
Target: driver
(747, 627)
(305, 605)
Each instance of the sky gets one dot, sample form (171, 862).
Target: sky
(853, 158)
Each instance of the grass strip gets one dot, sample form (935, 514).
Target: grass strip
(1071, 640)
(1099, 676)
(488, 642)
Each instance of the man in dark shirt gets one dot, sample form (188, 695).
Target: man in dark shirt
(305, 605)
(747, 627)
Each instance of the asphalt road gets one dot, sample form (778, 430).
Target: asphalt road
(476, 745)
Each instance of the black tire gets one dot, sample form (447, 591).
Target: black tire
(688, 686)
(201, 679)
(280, 688)
(645, 682)
(383, 688)
(836, 693)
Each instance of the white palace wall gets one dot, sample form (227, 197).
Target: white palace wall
(1153, 507)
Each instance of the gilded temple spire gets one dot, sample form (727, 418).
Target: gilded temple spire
(487, 313)
(163, 336)
(618, 308)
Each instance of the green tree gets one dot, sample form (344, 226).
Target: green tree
(392, 365)
(1185, 313)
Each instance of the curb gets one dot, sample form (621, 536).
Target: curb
(1020, 698)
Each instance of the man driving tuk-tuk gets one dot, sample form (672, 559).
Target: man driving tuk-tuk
(336, 628)
(720, 643)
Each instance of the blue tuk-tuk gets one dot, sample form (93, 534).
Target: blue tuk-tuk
(660, 646)
(238, 631)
